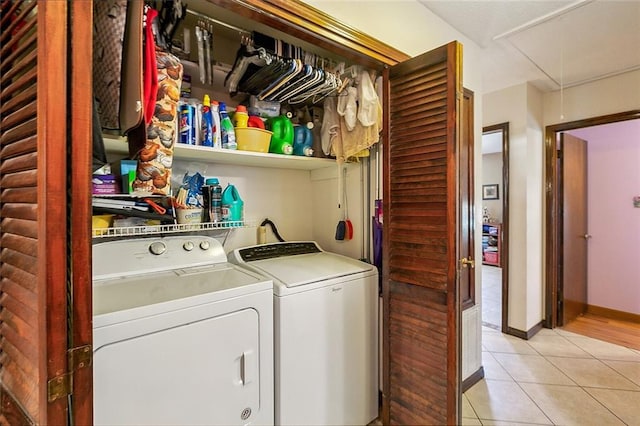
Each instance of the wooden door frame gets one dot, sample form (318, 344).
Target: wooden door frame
(553, 204)
(504, 247)
(468, 132)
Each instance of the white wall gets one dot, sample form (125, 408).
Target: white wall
(492, 174)
(613, 156)
(521, 107)
(607, 96)
(412, 28)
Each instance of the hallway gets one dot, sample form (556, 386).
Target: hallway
(492, 296)
(557, 377)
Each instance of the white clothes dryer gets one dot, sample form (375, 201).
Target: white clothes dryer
(180, 336)
(326, 333)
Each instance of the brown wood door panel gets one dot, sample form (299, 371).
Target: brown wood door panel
(422, 307)
(33, 187)
(574, 226)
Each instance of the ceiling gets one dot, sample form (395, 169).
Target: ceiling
(551, 44)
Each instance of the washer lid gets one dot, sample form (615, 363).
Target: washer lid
(303, 269)
(157, 292)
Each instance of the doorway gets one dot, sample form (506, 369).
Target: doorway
(495, 226)
(560, 292)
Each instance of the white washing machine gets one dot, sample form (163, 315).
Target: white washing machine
(180, 336)
(326, 333)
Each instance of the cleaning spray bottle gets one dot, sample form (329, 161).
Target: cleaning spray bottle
(226, 129)
(206, 123)
(215, 114)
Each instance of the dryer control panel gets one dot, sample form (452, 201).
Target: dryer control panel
(270, 251)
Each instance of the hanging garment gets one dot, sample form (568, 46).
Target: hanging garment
(368, 101)
(330, 126)
(153, 174)
(356, 143)
(348, 108)
(117, 66)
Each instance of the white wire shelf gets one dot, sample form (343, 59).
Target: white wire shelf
(137, 231)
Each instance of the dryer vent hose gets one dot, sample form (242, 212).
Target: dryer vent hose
(273, 229)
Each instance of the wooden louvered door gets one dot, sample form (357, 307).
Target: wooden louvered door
(421, 302)
(33, 199)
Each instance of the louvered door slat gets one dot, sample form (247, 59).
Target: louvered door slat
(421, 309)
(20, 163)
(20, 83)
(24, 113)
(22, 32)
(25, 47)
(23, 146)
(19, 65)
(20, 195)
(25, 9)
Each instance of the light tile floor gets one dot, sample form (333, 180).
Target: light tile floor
(555, 378)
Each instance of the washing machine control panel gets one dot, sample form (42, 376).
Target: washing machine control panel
(138, 256)
(270, 251)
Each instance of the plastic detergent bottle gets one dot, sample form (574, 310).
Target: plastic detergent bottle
(282, 138)
(215, 199)
(206, 125)
(302, 141)
(232, 205)
(217, 138)
(228, 135)
(241, 117)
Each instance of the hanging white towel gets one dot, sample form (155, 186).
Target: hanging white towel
(348, 108)
(330, 125)
(368, 99)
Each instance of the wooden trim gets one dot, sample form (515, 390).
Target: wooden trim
(52, 202)
(80, 146)
(613, 314)
(526, 335)
(314, 26)
(552, 204)
(386, 193)
(10, 410)
(454, 314)
(468, 122)
(473, 379)
(504, 243)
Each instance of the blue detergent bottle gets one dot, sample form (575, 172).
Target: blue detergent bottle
(232, 205)
(302, 140)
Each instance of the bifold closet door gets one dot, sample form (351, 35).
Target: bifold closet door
(33, 226)
(421, 302)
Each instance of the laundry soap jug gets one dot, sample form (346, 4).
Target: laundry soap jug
(241, 117)
(282, 137)
(232, 205)
(302, 140)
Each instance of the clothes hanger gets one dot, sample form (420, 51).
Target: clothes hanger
(300, 78)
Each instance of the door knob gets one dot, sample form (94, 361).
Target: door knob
(467, 261)
(587, 236)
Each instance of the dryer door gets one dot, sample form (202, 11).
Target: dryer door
(204, 372)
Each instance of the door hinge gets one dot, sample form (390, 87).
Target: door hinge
(62, 385)
(79, 357)
(59, 386)
(559, 153)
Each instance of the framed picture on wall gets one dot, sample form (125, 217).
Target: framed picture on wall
(490, 192)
